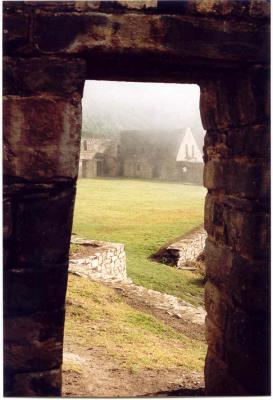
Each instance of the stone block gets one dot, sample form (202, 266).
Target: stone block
(248, 333)
(215, 339)
(248, 179)
(65, 31)
(244, 281)
(79, 33)
(249, 285)
(95, 263)
(34, 355)
(43, 228)
(28, 291)
(249, 104)
(247, 142)
(15, 32)
(32, 76)
(48, 129)
(8, 255)
(223, 8)
(259, 8)
(39, 327)
(32, 384)
(218, 380)
(217, 305)
(7, 219)
(247, 350)
(12, 6)
(246, 233)
(218, 261)
(254, 373)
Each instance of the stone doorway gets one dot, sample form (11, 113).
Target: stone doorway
(84, 168)
(50, 49)
(99, 167)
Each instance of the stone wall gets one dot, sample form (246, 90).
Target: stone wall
(150, 154)
(50, 48)
(186, 249)
(102, 151)
(237, 177)
(100, 259)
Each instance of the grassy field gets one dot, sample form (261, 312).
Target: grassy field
(98, 317)
(143, 215)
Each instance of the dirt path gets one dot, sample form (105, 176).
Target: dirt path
(103, 377)
(93, 374)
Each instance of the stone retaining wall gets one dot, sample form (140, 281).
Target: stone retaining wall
(184, 250)
(103, 259)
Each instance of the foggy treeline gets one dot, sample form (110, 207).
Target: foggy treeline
(110, 107)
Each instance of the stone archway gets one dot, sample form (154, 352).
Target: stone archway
(50, 49)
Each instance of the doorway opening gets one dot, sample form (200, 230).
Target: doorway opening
(134, 306)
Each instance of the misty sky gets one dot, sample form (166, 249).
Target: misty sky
(113, 106)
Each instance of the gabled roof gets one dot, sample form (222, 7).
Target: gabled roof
(198, 138)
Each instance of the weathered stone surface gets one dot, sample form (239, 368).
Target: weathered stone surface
(103, 260)
(48, 129)
(188, 248)
(215, 339)
(249, 105)
(16, 32)
(245, 282)
(34, 356)
(254, 9)
(218, 379)
(241, 335)
(45, 383)
(49, 215)
(245, 338)
(7, 219)
(216, 304)
(32, 76)
(77, 33)
(248, 179)
(39, 327)
(30, 290)
(259, 8)
(248, 142)
(238, 229)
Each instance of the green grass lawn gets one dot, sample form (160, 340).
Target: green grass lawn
(143, 215)
(96, 316)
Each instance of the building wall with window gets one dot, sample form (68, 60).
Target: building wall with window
(98, 157)
(149, 154)
(161, 155)
(189, 149)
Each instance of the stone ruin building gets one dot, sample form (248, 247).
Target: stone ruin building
(98, 157)
(50, 49)
(147, 154)
(153, 154)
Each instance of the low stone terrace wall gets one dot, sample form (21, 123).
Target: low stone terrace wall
(95, 258)
(183, 250)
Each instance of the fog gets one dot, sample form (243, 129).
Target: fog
(110, 107)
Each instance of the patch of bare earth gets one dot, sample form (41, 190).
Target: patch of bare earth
(88, 372)
(104, 377)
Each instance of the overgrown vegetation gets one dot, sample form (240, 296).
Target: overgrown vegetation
(143, 215)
